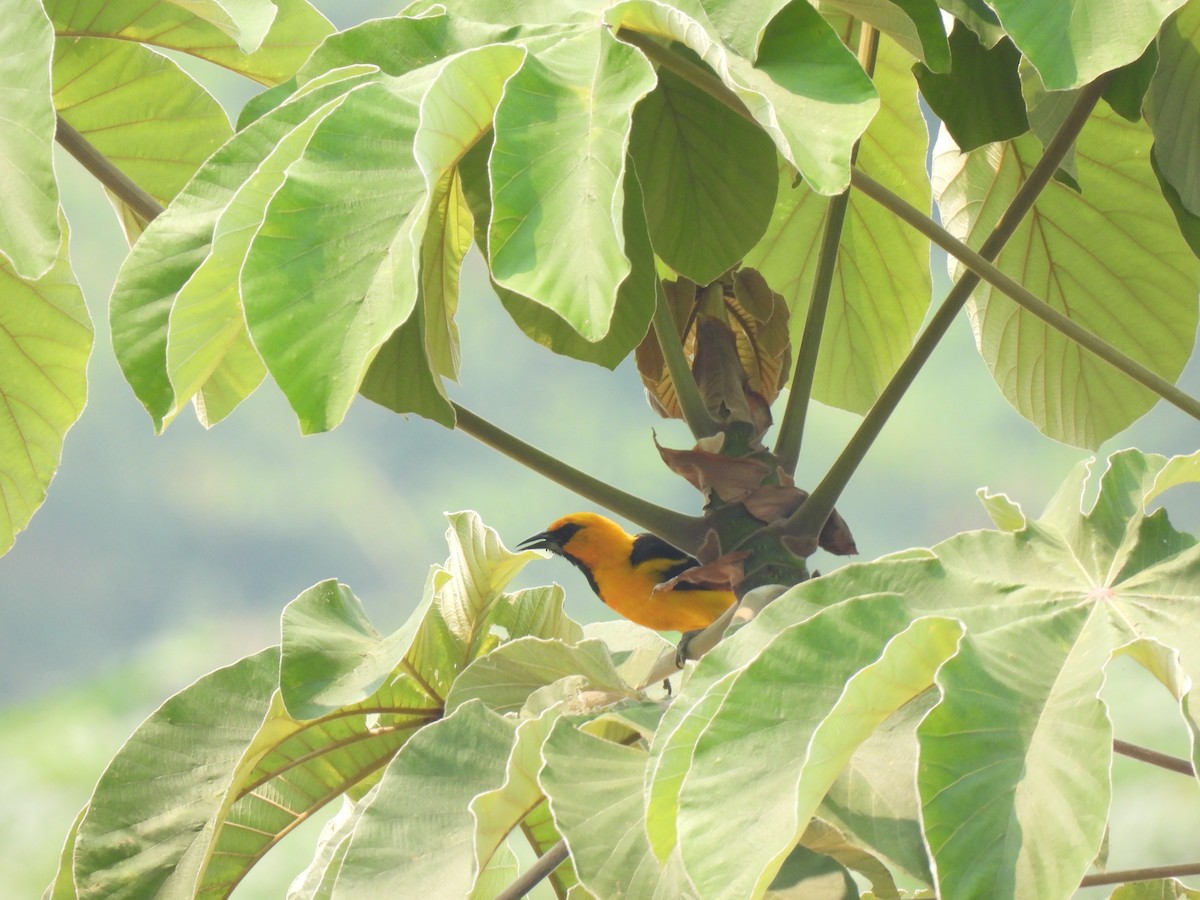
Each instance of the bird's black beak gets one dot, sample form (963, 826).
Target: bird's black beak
(544, 540)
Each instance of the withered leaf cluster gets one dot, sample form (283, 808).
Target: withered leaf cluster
(735, 336)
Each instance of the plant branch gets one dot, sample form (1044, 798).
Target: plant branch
(1022, 296)
(791, 428)
(546, 863)
(106, 173)
(1154, 758)
(683, 531)
(691, 404)
(811, 515)
(1151, 874)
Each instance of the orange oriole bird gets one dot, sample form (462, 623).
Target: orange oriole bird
(623, 569)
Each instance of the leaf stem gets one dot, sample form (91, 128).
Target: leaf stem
(1154, 758)
(106, 173)
(691, 404)
(1150, 874)
(1022, 296)
(683, 531)
(811, 515)
(546, 863)
(791, 429)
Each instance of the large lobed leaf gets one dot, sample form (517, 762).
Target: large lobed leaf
(266, 41)
(45, 341)
(1014, 760)
(820, 685)
(140, 109)
(1070, 44)
(29, 226)
(1110, 257)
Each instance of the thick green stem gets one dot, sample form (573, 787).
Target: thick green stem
(683, 531)
(1022, 296)
(691, 404)
(811, 516)
(791, 429)
(106, 173)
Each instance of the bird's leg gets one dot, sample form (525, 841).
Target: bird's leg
(681, 650)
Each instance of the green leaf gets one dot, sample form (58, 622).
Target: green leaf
(875, 800)
(838, 675)
(1188, 222)
(1110, 257)
(416, 836)
(977, 72)
(1070, 45)
(505, 678)
(330, 272)
(1127, 86)
(1170, 102)
(63, 886)
(179, 240)
(1004, 512)
(916, 25)
(456, 112)
(401, 376)
(635, 298)
(447, 239)
(335, 267)
(822, 837)
(557, 166)
(209, 352)
(977, 16)
(1026, 746)
(1047, 110)
(316, 881)
(154, 810)
(45, 342)
(1159, 889)
(881, 286)
(230, 34)
(501, 811)
(596, 794)
(332, 656)
(635, 651)
(806, 875)
(1046, 608)
(1178, 470)
(802, 74)
(709, 178)
(125, 98)
(30, 235)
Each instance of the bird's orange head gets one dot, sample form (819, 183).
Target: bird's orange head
(587, 539)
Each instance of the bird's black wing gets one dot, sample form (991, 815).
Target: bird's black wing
(647, 547)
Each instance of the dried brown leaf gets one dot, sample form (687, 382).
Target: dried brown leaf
(735, 338)
(724, 573)
(731, 478)
(770, 502)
